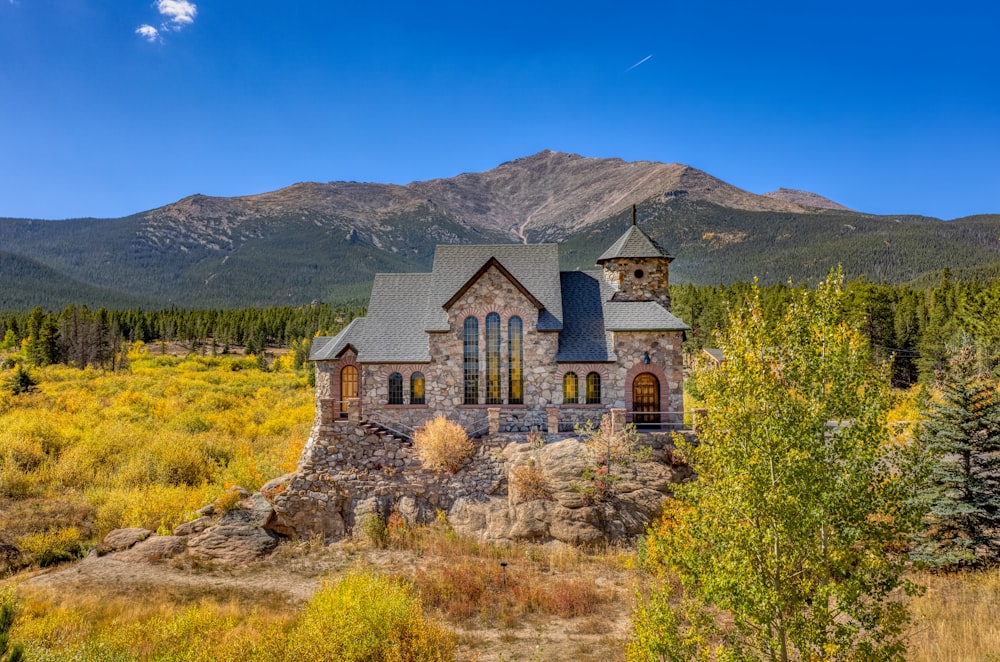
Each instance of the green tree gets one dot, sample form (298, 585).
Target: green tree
(21, 381)
(8, 652)
(792, 539)
(961, 436)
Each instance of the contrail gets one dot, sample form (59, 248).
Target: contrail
(638, 63)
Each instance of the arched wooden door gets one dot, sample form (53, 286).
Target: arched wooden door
(348, 387)
(646, 400)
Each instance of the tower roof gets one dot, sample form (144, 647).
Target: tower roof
(634, 244)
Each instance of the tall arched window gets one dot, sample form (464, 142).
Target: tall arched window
(395, 389)
(493, 396)
(515, 362)
(417, 389)
(470, 361)
(348, 387)
(570, 388)
(593, 389)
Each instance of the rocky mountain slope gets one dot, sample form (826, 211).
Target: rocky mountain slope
(316, 241)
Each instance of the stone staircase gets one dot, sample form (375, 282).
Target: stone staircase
(384, 432)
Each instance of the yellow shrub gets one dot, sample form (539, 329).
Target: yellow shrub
(15, 482)
(366, 616)
(443, 445)
(52, 547)
(156, 507)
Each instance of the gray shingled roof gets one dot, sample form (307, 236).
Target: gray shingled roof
(584, 336)
(640, 316)
(327, 348)
(633, 244)
(394, 328)
(535, 266)
(404, 307)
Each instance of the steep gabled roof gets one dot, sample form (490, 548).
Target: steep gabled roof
(535, 267)
(326, 348)
(394, 327)
(633, 244)
(494, 263)
(584, 337)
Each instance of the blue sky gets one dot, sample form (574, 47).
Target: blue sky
(111, 108)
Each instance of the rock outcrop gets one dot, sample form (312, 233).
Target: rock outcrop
(344, 475)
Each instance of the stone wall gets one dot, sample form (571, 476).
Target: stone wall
(346, 471)
(640, 279)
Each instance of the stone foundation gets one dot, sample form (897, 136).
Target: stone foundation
(346, 472)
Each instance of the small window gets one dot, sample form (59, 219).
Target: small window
(417, 389)
(348, 387)
(395, 389)
(570, 388)
(639, 274)
(593, 389)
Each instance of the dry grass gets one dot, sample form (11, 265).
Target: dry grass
(957, 619)
(528, 483)
(443, 445)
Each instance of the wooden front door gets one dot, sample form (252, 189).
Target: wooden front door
(348, 387)
(646, 400)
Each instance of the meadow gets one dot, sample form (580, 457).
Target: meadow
(90, 450)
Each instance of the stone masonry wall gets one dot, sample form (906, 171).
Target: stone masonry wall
(652, 285)
(346, 472)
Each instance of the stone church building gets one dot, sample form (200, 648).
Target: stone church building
(495, 336)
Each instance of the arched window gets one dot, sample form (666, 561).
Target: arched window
(348, 387)
(493, 396)
(515, 361)
(395, 389)
(470, 361)
(417, 389)
(593, 389)
(570, 388)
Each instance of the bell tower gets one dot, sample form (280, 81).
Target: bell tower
(637, 268)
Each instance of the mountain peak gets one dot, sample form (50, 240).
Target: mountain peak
(806, 199)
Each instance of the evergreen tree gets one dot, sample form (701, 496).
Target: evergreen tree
(961, 436)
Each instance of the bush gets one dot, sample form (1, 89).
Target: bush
(53, 547)
(528, 482)
(367, 616)
(374, 529)
(443, 445)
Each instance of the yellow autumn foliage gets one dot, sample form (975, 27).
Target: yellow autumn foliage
(146, 446)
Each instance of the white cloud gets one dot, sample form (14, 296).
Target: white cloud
(179, 12)
(148, 32)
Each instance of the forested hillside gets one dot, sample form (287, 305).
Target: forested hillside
(324, 242)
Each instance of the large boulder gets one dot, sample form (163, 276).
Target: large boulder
(120, 539)
(548, 499)
(153, 548)
(238, 538)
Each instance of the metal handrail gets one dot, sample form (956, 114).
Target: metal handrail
(394, 427)
(684, 416)
(475, 429)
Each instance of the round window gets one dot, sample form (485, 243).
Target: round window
(638, 273)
